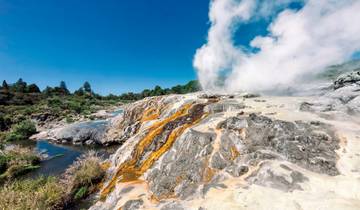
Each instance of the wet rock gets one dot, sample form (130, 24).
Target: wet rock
(134, 115)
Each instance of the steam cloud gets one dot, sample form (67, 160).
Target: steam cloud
(299, 42)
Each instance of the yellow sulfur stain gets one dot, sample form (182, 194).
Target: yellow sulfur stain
(234, 153)
(208, 174)
(128, 171)
(150, 114)
(105, 165)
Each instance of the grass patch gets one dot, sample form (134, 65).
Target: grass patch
(41, 193)
(79, 180)
(16, 162)
(83, 175)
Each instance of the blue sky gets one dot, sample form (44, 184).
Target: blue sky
(117, 46)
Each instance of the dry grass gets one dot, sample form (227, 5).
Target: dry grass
(79, 180)
(82, 177)
(30, 194)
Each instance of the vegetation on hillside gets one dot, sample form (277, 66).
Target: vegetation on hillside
(190, 87)
(21, 103)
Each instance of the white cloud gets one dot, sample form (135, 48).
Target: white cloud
(302, 42)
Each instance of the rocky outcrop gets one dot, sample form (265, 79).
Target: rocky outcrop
(343, 100)
(310, 145)
(181, 148)
(351, 78)
(91, 132)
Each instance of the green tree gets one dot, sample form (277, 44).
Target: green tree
(145, 93)
(63, 88)
(20, 86)
(79, 92)
(158, 91)
(5, 85)
(87, 87)
(48, 91)
(33, 88)
(177, 89)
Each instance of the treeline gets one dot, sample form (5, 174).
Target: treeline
(190, 87)
(21, 93)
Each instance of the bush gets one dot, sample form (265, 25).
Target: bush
(40, 193)
(21, 131)
(13, 137)
(5, 122)
(83, 175)
(74, 106)
(3, 163)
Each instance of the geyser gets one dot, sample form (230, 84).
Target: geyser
(299, 42)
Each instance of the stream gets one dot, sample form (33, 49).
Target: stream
(57, 158)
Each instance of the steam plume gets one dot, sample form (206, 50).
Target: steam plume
(299, 42)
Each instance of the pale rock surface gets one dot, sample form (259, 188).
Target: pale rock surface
(200, 151)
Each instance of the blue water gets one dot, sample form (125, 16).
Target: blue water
(58, 159)
(117, 112)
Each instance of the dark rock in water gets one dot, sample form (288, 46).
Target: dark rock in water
(347, 79)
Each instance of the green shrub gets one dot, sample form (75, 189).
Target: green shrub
(3, 163)
(69, 119)
(54, 102)
(81, 193)
(13, 137)
(74, 106)
(21, 131)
